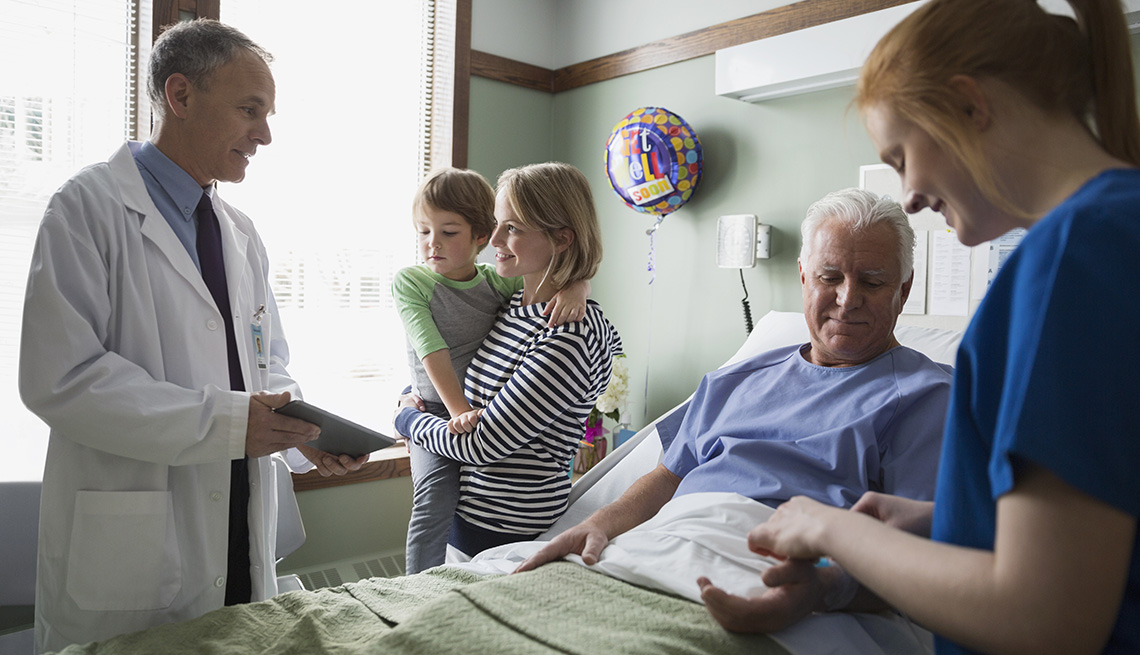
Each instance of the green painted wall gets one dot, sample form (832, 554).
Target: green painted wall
(510, 126)
(350, 521)
(771, 160)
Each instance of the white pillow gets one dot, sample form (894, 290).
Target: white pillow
(777, 329)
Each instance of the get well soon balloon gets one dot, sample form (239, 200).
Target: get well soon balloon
(653, 160)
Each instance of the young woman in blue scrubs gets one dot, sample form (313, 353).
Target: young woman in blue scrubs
(999, 115)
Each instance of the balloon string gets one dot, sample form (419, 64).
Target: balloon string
(652, 266)
(648, 359)
(652, 232)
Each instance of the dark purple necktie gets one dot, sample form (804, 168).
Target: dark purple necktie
(214, 275)
(238, 584)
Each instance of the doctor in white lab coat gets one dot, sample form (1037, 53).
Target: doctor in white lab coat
(124, 356)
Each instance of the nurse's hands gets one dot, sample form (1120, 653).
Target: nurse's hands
(796, 531)
(913, 516)
(267, 432)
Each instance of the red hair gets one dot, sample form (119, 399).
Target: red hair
(1082, 68)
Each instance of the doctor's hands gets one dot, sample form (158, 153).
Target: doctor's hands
(328, 464)
(267, 432)
(584, 539)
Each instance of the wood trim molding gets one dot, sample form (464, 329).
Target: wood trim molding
(461, 107)
(698, 43)
(167, 12)
(388, 463)
(494, 67)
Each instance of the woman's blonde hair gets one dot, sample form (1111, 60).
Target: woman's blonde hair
(462, 192)
(1080, 67)
(550, 197)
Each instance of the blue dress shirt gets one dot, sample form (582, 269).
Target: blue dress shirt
(174, 192)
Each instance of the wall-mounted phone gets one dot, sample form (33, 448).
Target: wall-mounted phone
(740, 240)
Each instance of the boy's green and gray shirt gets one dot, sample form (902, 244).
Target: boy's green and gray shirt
(438, 313)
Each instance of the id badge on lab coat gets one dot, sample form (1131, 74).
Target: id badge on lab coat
(258, 341)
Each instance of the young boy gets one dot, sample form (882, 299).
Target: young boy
(448, 305)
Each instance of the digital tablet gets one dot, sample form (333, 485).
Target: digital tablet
(339, 436)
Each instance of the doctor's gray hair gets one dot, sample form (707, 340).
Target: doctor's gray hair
(196, 49)
(858, 210)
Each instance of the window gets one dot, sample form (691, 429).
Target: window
(65, 92)
(331, 196)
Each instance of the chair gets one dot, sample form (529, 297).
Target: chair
(290, 529)
(20, 518)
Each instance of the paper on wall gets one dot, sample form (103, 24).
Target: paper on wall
(949, 274)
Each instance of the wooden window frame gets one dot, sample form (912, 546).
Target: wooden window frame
(168, 12)
(386, 464)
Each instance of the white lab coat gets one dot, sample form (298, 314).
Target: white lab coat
(123, 355)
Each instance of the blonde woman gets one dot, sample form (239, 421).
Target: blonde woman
(983, 107)
(532, 385)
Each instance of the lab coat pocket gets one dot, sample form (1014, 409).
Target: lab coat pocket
(124, 551)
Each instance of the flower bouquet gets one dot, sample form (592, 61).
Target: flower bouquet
(592, 446)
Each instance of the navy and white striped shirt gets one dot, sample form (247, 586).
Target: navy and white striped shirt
(537, 384)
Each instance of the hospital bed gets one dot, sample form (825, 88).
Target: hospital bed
(559, 608)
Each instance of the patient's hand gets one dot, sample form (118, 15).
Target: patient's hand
(583, 539)
(796, 590)
(913, 516)
(465, 422)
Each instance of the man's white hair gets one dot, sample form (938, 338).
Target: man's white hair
(857, 209)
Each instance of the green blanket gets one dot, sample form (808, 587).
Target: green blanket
(559, 608)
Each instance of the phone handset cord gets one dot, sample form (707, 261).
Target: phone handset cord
(744, 301)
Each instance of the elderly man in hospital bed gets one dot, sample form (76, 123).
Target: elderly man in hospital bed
(849, 412)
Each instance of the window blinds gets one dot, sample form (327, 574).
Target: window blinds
(332, 194)
(438, 86)
(67, 87)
